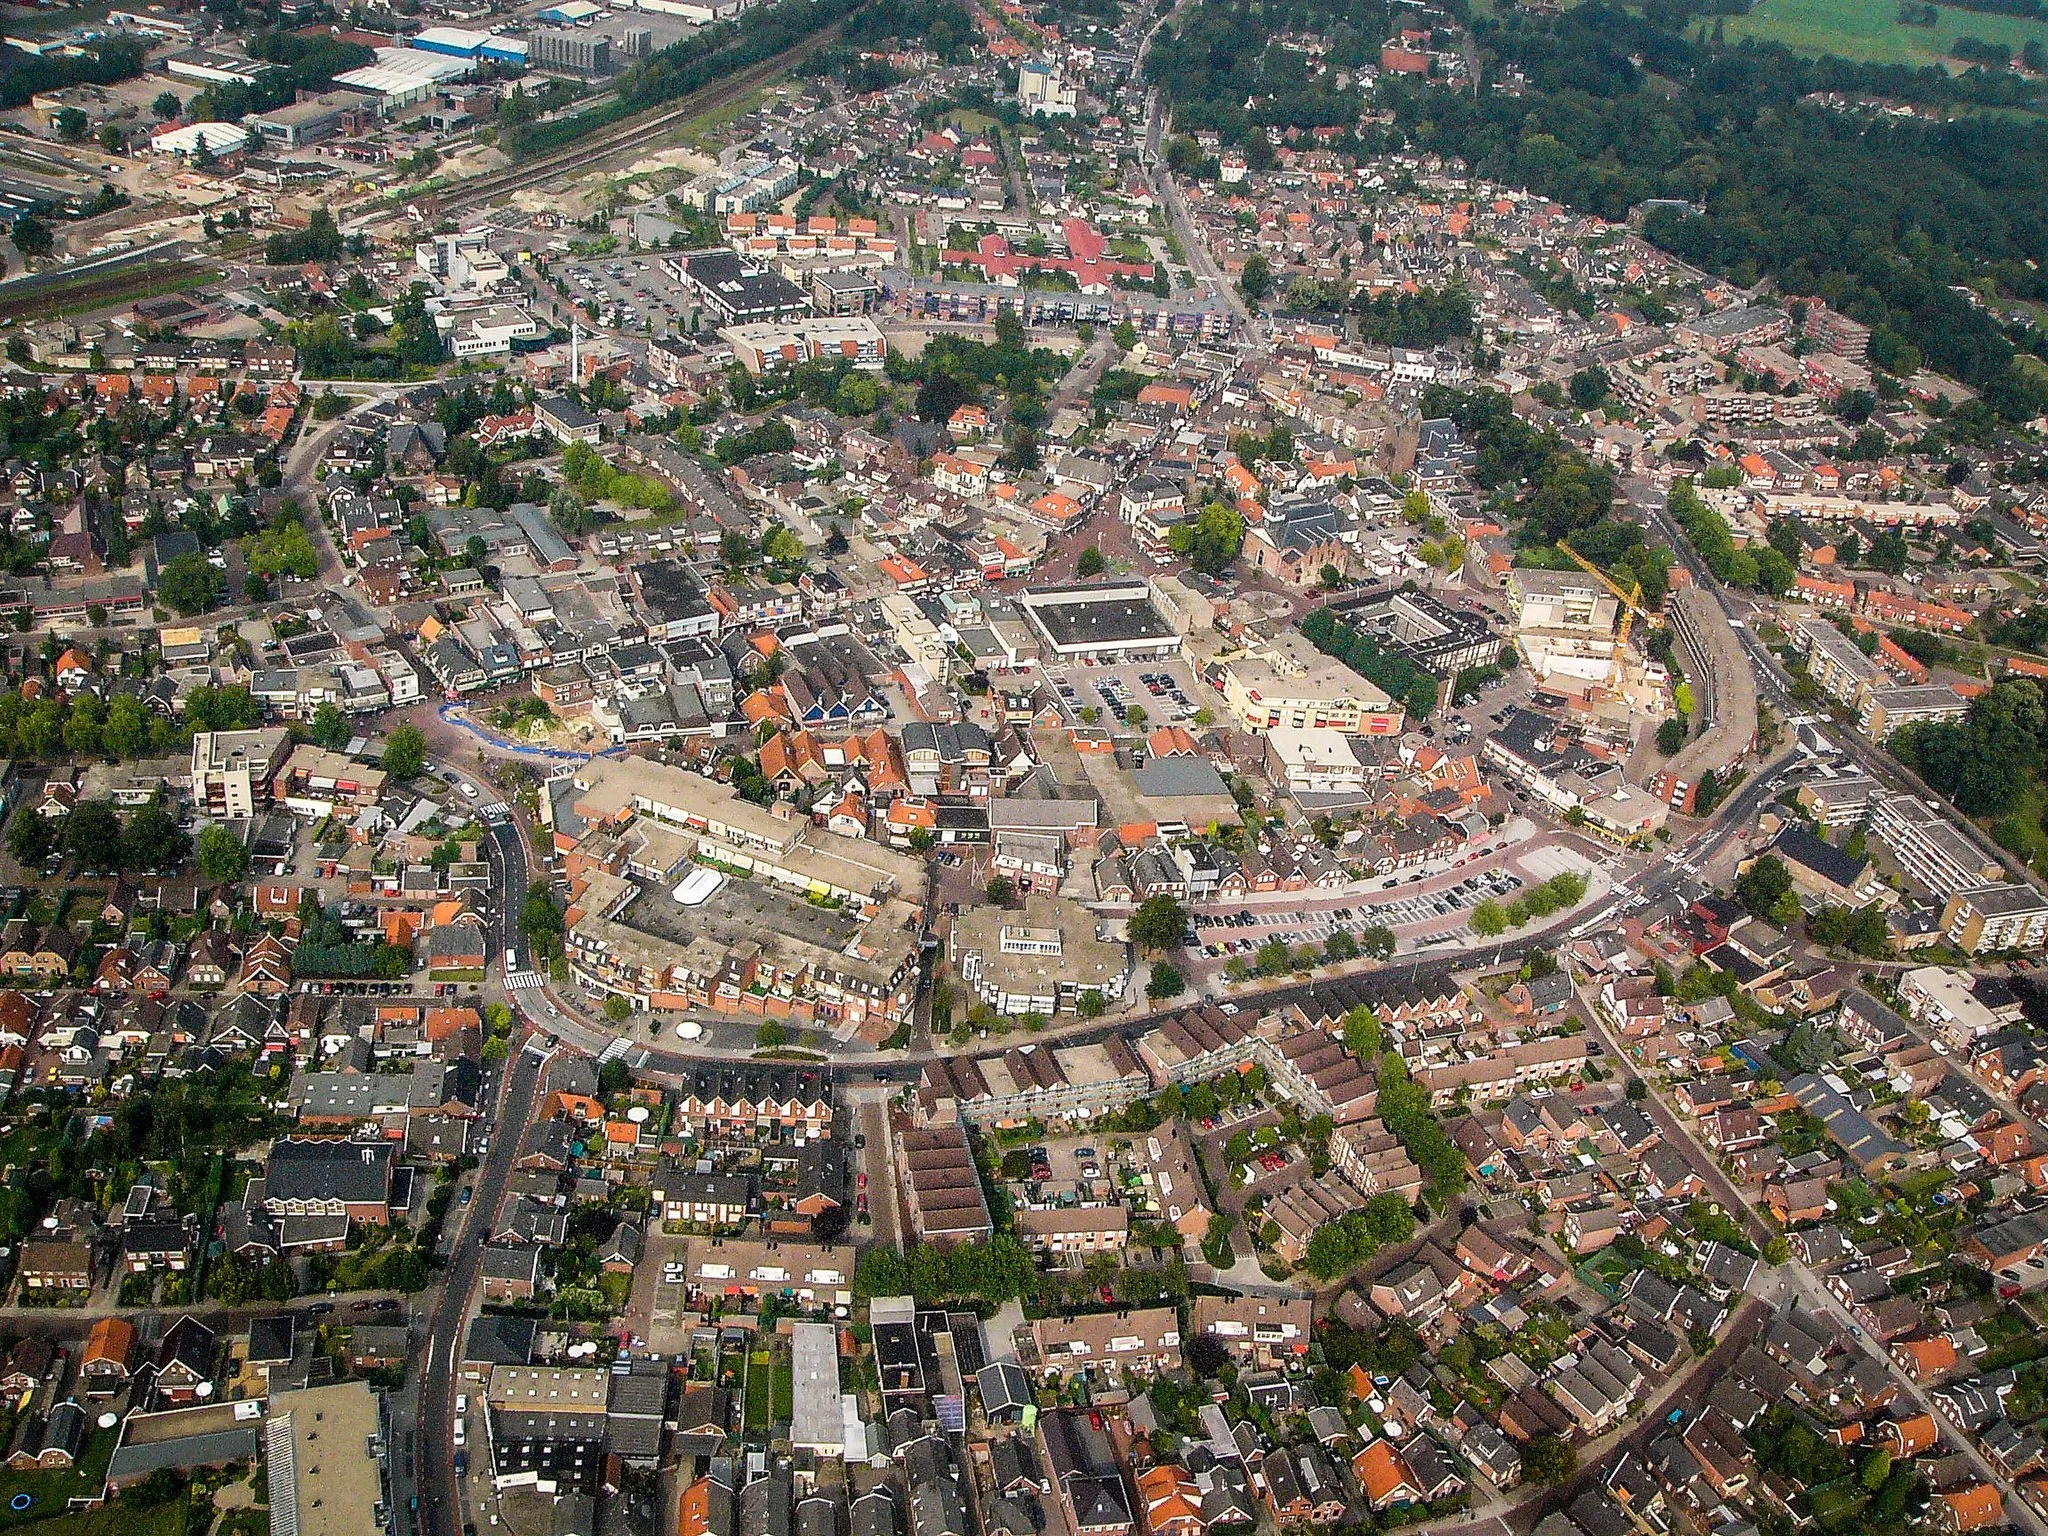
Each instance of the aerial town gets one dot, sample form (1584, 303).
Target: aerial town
(986, 768)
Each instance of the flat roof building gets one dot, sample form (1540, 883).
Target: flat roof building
(323, 1453)
(817, 1424)
(1287, 684)
(232, 770)
(1984, 919)
(1101, 619)
(309, 119)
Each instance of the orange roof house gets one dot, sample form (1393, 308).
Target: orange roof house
(1925, 1358)
(440, 1023)
(1384, 1475)
(1170, 1502)
(693, 1509)
(108, 1348)
(1911, 1435)
(402, 925)
(1969, 1508)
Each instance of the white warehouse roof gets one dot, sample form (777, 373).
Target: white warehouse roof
(219, 138)
(399, 70)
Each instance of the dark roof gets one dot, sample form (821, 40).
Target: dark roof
(349, 1171)
(1796, 845)
(500, 1340)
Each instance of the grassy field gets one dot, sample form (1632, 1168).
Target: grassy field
(760, 1387)
(52, 1488)
(704, 130)
(1870, 29)
(118, 1520)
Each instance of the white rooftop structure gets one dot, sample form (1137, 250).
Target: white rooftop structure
(818, 1417)
(406, 75)
(219, 138)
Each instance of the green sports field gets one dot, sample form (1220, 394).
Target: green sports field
(1870, 29)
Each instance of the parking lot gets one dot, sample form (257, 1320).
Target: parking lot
(1165, 690)
(1242, 932)
(632, 293)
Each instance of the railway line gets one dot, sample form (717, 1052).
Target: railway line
(632, 134)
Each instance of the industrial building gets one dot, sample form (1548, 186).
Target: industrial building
(404, 77)
(573, 53)
(462, 43)
(214, 138)
(211, 68)
(311, 118)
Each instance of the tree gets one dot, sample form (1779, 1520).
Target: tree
(1777, 1251)
(1255, 282)
(1362, 1034)
(1166, 981)
(1091, 563)
(1638, 1090)
(93, 834)
(1377, 942)
(617, 1009)
(126, 732)
(770, 1035)
(330, 727)
(32, 236)
(222, 858)
(166, 106)
(1211, 539)
(1763, 885)
(1671, 735)
(1876, 1470)
(31, 839)
(857, 395)
(71, 124)
(476, 551)
(1125, 335)
(1207, 1355)
(405, 752)
(110, 139)
(1001, 890)
(1158, 924)
(1549, 1461)
(1489, 919)
(152, 840)
(1588, 387)
(189, 583)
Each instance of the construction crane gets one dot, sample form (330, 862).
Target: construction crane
(1631, 600)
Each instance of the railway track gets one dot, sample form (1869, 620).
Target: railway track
(630, 134)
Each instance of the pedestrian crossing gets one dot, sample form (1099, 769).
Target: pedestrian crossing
(520, 981)
(497, 810)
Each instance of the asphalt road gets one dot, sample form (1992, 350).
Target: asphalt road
(440, 1512)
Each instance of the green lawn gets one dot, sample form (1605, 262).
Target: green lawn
(785, 1388)
(51, 1489)
(760, 1386)
(118, 1520)
(1870, 29)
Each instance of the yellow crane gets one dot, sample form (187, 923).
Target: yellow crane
(1631, 600)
